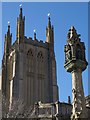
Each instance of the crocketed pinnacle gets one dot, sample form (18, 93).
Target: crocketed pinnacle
(21, 14)
(72, 35)
(49, 22)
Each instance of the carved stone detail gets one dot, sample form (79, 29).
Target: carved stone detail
(75, 63)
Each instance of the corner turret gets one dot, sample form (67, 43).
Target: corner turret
(50, 32)
(7, 47)
(8, 41)
(34, 34)
(20, 26)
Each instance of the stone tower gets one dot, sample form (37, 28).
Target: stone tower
(29, 66)
(75, 63)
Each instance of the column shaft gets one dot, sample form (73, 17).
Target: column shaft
(79, 107)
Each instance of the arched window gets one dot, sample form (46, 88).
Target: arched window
(30, 53)
(30, 61)
(40, 62)
(30, 77)
(40, 70)
(40, 56)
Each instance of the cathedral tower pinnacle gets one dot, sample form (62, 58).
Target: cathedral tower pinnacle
(20, 26)
(75, 63)
(50, 32)
(8, 40)
(52, 61)
(34, 34)
(7, 46)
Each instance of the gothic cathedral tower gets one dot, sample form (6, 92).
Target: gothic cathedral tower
(29, 66)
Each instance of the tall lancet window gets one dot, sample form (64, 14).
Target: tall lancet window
(40, 63)
(30, 78)
(30, 61)
(41, 91)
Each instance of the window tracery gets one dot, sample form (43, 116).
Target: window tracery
(30, 61)
(40, 56)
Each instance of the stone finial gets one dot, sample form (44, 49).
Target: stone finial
(34, 34)
(49, 22)
(72, 33)
(34, 31)
(8, 28)
(72, 36)
(20, 5)
(8, 23)
(20, 11)
(48, 14)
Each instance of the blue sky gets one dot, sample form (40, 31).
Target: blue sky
(63, 16)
